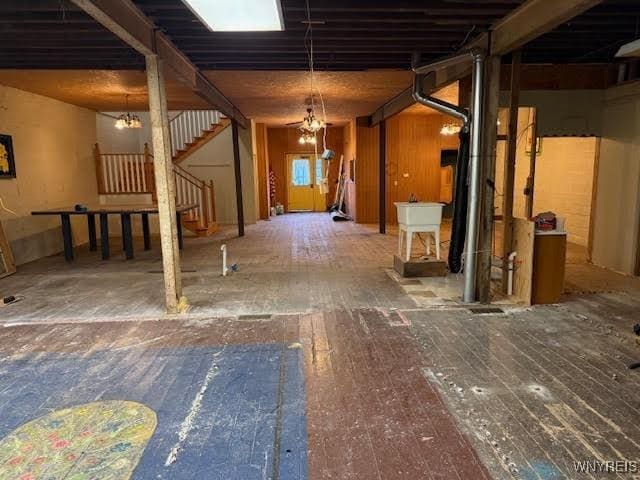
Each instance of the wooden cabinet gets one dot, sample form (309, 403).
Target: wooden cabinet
(549, 257)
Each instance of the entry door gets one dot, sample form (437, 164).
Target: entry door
(304, 180)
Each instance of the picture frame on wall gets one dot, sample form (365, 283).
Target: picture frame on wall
(7, 161)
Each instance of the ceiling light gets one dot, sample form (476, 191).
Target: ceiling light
(238, 15)
(450, 129)
(128, 120)
(307, 137)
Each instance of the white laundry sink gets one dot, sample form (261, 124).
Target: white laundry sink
(420, 213)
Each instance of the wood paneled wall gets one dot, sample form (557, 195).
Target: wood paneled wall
(283, 141)
(414, 144)
(263, 170)
(366, 184)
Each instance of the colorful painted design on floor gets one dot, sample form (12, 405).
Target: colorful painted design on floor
(232, 412)
(96, 440)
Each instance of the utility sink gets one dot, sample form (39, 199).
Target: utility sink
(420, 213)
(419, 217)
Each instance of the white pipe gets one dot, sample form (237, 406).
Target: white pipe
(512, 257)
(225, 270)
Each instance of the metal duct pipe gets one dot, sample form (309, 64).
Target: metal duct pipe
(469, 294)
(460, 200)
(476, 121)
(437, 104)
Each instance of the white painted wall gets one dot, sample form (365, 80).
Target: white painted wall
(214, 161)
(617, 213)
(53, 144)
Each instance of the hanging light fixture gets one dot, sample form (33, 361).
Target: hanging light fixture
(307, 137)
(311, 123)
(450, 129)
(128, 120)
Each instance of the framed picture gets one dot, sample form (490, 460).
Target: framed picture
(7, 162)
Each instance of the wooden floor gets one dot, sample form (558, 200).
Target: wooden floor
(312, 361)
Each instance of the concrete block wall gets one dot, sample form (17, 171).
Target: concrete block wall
(564, 179)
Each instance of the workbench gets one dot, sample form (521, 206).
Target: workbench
(103, 211)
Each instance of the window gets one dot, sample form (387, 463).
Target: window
(301, 172)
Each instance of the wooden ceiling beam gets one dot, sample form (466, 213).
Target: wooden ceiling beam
(132, 26)
(433, 83)
(527, 22)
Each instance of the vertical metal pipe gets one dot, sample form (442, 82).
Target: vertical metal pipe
(382, 172)
(474, 178)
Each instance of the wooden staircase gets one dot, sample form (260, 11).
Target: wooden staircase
(190, 189)
(133, 174)
(201, 140)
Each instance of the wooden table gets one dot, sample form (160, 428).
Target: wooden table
(125, 212)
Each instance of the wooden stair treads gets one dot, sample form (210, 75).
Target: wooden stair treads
(201, 140)
(193, 225)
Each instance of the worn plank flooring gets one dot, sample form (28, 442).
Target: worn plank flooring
(333, 395)
(298, 263)
(541, 390)
(313, 361)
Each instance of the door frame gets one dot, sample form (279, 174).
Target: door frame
(312, 156)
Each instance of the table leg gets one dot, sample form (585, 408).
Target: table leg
(179, 228)
(124, 247)
(104, 235)
(67, 238)
(127, 238)
(91, 223)
(145, 231)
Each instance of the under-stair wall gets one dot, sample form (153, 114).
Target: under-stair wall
(214, 162)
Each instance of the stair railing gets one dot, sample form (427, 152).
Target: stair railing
(132, 173)
(124, 173)
(188, 125)
(190, 189)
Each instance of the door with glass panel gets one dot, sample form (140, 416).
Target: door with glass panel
(304, 180)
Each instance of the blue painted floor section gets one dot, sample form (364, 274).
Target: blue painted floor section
(250, 423)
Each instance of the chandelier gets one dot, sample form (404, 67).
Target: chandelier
(128, 120)
(307, 137)
(450, 129)
(311, 123)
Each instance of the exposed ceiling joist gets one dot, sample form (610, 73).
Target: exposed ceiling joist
(132, 26)
(527, 22)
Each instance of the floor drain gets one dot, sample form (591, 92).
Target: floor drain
(259, 316)
(485, 310)
(181, 271)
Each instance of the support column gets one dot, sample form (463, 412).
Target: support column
(238, 172)
(382, 169)
(531, 179)
(487, 188)
(508, 179)
(165, 185)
